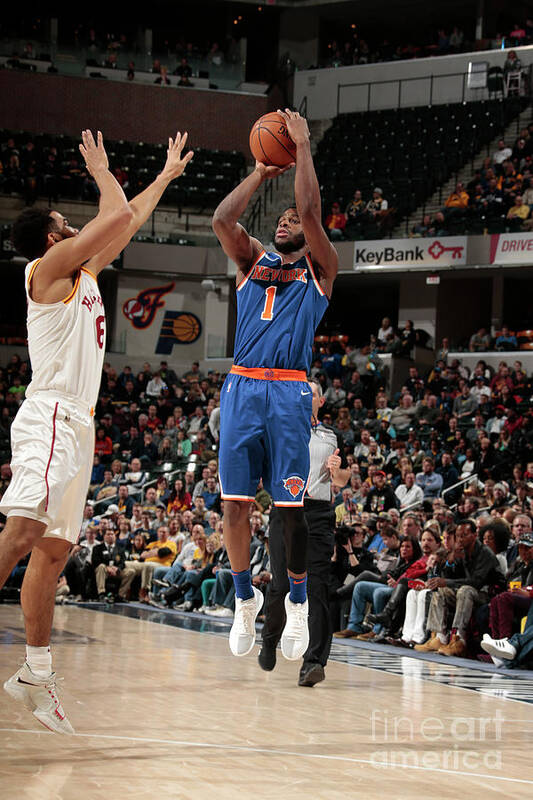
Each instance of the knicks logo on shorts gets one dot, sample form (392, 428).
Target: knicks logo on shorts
(294, 485)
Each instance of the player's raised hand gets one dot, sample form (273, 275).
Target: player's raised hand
(176, 162)
(297, 127)
(268, 173)
(94, 153)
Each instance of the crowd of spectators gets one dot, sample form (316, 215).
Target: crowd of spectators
(361, 217)
(445, 42)
(153, 522)
(498, 196)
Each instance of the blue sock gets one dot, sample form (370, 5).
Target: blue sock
(298, 593)
(243, 584)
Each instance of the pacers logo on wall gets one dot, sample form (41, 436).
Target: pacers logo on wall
(179, 327)
(141, 310)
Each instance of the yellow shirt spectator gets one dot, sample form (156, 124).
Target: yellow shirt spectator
(167, 560)
(458, 199)
(520, 209)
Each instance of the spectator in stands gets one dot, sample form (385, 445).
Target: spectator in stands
(377, 593)
(506, 340)
(458, 200)
(462, 595)
(159, 553)
(335, 396)
(408, 493)
(429, 481)
(335, 222)
(480, 341)
(403, 416)
(502, 153)
(377, 208)
(354, 213)
(163, 79)
(518, 213)
(512, 62)
(381, 496)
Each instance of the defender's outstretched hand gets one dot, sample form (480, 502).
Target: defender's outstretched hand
(94, 153)
(297, 126)
(175, 163)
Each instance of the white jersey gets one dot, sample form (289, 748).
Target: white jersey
(66, 340)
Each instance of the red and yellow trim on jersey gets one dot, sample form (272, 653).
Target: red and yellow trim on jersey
(317, 284)
(245, 279)
(267, 374)
(89, 273)
(30, 276)
(70, 295)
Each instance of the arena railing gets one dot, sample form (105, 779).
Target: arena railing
(461, 95)
(469, 479)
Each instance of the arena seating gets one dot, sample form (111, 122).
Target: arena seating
(210, 176)
(407, 152)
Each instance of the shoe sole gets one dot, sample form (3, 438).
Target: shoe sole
(18, 693)
(492, 651)
(259, 599)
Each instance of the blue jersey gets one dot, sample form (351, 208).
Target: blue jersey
(279, 307)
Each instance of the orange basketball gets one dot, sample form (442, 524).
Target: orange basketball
(186, 328)
(270, 142)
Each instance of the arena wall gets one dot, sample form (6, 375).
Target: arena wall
(133, 112)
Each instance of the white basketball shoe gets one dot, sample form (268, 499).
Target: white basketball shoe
(295, 636)
(242, 633)
(39, 695)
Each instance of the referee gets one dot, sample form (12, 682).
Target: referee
(327, 466)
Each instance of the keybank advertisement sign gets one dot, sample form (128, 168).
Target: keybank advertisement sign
(425, 253)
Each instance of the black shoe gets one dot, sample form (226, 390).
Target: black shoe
(158, 582)
(378, 619)
(311, 675)
(267, 657)
(101, 597)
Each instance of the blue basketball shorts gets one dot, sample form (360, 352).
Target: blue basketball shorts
(265, 427)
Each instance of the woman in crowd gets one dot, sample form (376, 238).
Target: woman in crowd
(180, 499)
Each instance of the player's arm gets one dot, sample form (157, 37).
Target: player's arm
(114, 215)
(144, 203)
(238, 245)
(307, 196)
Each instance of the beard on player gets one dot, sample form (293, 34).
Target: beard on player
(290, 243)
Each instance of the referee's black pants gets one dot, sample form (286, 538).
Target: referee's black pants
(321, 521)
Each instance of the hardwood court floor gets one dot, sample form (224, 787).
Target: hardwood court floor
(162, 712)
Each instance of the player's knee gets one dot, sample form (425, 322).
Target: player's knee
(235, 512)
(23, 534)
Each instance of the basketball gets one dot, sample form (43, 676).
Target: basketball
(270, 142)
(132, 308)
(186, 328)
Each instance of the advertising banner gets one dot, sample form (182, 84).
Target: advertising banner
(425, 253)
(511, 248)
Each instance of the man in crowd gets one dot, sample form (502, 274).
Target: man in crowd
(460, 596)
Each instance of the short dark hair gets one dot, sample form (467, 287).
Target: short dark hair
(30, 231)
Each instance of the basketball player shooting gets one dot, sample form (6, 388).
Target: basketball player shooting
(266, 400)
(52, 436)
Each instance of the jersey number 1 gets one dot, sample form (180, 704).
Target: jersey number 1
(269, 302)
